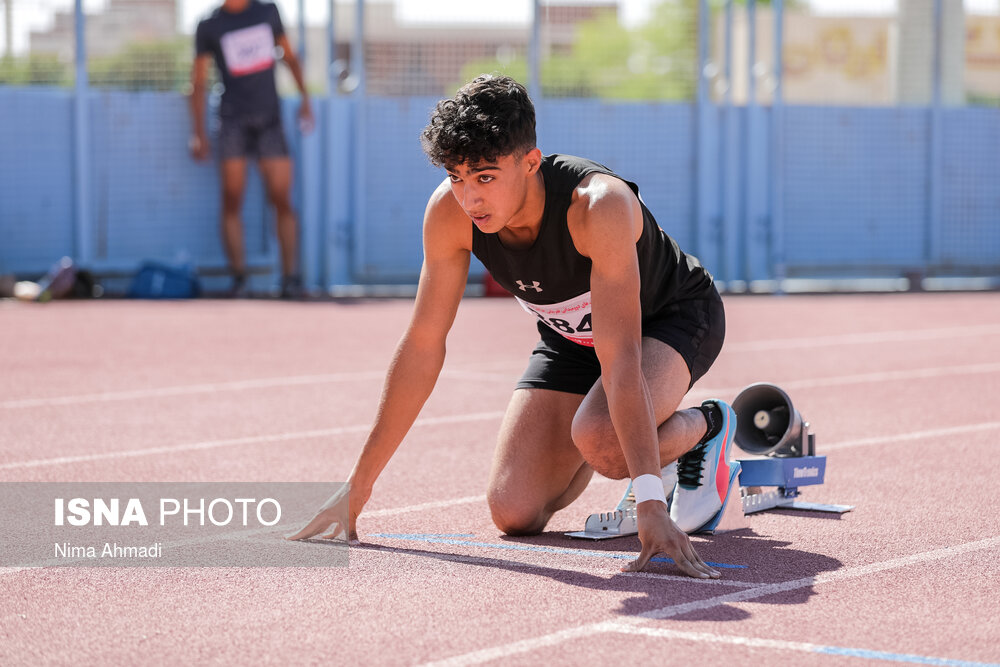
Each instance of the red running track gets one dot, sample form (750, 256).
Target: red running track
(900, 389)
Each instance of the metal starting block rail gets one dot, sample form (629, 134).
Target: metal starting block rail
(782, 475)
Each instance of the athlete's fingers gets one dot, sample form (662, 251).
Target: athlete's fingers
(696, 561)
(334, 532)
(317, 525)
(688, 568)
(640, 562)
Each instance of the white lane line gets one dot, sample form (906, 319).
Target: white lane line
(423, 507)
(524, 646)
(184, 390)
(864, 338)
(628, 628)
(232, 442)
(822, 578)
(916, 435)
(429, 421)
(534, 643)
(238, 385)
(783, 645)
(478, 374)
(863, 378)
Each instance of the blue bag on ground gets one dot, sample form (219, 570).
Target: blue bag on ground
(155, 280)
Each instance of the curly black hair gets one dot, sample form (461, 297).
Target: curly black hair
(489, 117)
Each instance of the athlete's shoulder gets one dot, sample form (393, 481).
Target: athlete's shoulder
(601, 204)
(565, 162)
(210, 18)
(269, 7)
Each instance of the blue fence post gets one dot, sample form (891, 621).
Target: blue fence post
(746, 145)
(729, 172)
(82, 214)
(337, 179)
(932, 243)
(756, 177)
(307, 187)
(360, 146)
(706, 222)
(777, 203)
(535, 53)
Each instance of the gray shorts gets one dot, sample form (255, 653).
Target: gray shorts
(695, 329)
(253, 137)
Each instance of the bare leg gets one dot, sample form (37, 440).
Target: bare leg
(277, 175)
(667, 377)
(234, 178)
(536, 468)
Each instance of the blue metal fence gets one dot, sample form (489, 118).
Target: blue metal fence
(758, 192)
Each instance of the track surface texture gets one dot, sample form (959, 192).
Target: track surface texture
(901, 392)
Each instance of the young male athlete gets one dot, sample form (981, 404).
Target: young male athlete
(627, 322)
(241, 36)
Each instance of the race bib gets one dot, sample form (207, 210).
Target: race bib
(570, 319)
(248, 50)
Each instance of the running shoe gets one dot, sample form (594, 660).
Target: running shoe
(703, 474)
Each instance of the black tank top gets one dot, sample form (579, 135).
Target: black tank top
(552, 280)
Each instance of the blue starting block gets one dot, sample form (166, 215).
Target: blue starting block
(786, 475)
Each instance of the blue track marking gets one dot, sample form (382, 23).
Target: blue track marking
(439, 539)
(899, 657)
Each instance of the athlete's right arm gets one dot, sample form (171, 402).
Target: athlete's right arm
(199, 76)
(417, 361)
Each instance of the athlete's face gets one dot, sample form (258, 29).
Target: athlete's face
(492, 194)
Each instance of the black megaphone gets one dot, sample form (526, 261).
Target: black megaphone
(769, 425)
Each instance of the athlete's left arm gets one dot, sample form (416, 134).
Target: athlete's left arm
(605, 220)
(290, 59)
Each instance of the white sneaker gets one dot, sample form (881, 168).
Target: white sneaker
(668, 474)
(703, 476)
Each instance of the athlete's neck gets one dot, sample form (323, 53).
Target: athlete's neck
(235, 6)
(523, 228)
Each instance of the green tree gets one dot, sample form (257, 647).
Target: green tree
(655, 61)
(35, 69)
(144, 66)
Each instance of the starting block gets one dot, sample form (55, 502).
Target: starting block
(606, 525)
(769, 426)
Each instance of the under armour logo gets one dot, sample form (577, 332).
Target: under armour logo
(533, 285)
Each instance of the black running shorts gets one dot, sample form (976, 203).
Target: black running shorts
(253, 137)
(695, 329)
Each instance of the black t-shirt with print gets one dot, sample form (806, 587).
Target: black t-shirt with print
(243, 45)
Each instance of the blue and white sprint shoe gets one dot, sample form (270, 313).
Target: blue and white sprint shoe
(703, 474)
(669, 476)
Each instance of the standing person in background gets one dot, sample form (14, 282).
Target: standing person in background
(241, 36)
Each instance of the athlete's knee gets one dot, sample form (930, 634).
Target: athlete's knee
(598, 443)
(515, 517)
(232, 200)
(281, 200)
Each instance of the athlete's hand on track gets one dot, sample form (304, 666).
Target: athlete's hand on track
(659, 534)
(347, 501)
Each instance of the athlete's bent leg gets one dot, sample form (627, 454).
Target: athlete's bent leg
(668, 379)
(536, 470)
